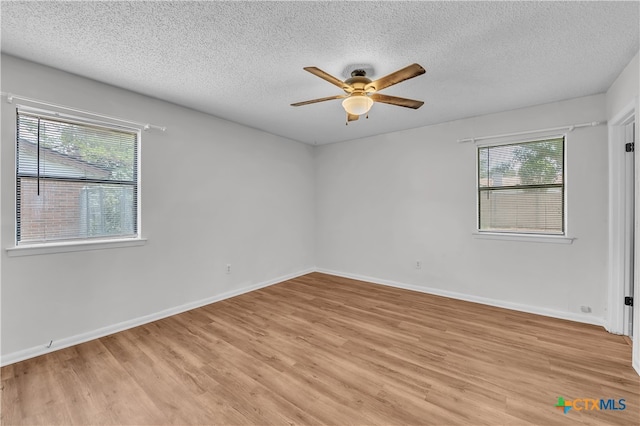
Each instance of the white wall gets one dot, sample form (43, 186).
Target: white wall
(386, 201)
(625, 89)
(213, 192)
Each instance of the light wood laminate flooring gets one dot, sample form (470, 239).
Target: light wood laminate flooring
(320, 349)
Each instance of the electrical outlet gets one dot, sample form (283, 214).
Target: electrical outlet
(586, 309)
(418, 264)
(228, 268)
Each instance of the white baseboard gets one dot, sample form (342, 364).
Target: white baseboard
(471, 298)
(115, 328)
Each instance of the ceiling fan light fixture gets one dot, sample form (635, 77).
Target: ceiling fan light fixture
(357, 104)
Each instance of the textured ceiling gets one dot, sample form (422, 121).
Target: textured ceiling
(243, 61)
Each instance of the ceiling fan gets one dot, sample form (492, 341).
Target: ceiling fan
(361, 92)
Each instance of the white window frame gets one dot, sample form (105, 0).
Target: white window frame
(80, 244)
(515, 236)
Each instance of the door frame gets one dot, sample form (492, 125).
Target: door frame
(617, 190)
(615, 309)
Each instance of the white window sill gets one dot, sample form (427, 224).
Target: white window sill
(35, 249)
(554, 239)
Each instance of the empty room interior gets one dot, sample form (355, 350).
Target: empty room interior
(345, 213)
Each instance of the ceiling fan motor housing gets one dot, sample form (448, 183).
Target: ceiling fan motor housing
(358, 82)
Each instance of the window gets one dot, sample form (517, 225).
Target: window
(521, 188)
(75, 180)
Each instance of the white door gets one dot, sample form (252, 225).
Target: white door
(629, 223)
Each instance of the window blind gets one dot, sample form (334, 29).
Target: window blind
(521, 187)
(74, 180)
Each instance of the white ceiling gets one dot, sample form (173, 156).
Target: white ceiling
(243, 61)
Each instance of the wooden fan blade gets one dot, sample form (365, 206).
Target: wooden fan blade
(328, 77)
(394, 100)
(405, 73)
(313, 101)
(352, 117)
